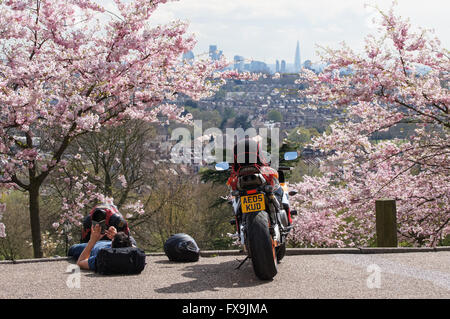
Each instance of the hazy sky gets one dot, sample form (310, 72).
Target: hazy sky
(267, 30)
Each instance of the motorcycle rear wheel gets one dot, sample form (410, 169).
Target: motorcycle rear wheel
(261, 246)
(281, 252)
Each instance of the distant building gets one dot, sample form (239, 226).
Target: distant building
(277, 66)
(283, 66)
(258, 66)
(188, 57)
(214, 54)
(239, 63)
(307, 65)
(297, 61)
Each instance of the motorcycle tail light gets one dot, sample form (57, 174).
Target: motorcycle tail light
(252, 191)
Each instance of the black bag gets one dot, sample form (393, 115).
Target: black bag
(182, 248)
(125, 260)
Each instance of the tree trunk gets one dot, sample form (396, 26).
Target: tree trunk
(108, 183)
(34, 220)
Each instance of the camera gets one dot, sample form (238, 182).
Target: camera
(99, 218)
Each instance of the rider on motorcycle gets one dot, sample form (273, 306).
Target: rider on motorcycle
(248, 157)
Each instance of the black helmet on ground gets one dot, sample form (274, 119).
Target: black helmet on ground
(182, 248)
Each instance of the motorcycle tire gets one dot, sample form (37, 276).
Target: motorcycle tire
(261, 246)
(281, 252)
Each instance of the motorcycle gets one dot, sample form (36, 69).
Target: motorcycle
(262, 216)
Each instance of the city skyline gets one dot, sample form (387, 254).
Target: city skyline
(242, 63)
(267, 31)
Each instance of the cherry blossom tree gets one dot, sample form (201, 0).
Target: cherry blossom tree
(114, 165)
(401, 76)
(71, 67)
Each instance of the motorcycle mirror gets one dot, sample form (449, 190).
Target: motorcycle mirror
(289, 156)
(222, 166)
(292, 193)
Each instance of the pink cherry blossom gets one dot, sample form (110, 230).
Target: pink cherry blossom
(71, 67)
(402, 77)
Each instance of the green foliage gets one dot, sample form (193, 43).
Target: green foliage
(302, 135)
(16, 219)
(445, 241)
(275, 116)
(181, 203)
(400, 130)
(242, 121)
(209, 118)
(404, 244)
(222, 243)
(220, 94)
(301, 169)
(297, 139)
(191, 104)
(213, 176)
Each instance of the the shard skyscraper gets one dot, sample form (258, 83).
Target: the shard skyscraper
(297, 62)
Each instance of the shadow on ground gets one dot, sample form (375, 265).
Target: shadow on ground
(213, 277)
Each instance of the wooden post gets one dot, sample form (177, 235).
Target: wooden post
(386, 223)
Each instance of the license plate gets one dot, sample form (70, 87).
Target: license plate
(252, 203)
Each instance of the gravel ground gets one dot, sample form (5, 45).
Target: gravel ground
(405, 275)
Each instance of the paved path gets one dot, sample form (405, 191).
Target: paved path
(404, 275)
